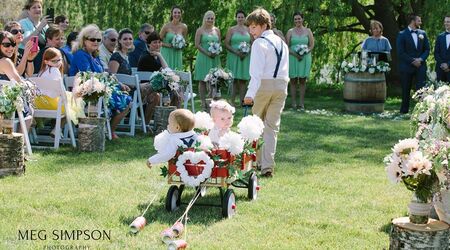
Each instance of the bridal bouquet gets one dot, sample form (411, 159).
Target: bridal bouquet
(165, 81)
(178, 42)
(215, 48)
(244, 48)
(219, 77)
(301, 49)
(90, 86)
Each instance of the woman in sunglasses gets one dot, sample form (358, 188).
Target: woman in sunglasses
(24, 58)
(86, 59)
(7, 54)
(174, 56)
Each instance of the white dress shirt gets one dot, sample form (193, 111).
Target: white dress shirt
(447, 39)
(263, 61)
(414, 36)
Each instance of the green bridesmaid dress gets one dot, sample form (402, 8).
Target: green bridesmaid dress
(300, 68)
(173, 57)
(204, 63)
(239, 68)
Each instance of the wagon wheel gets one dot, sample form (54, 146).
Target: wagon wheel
(173, 198)
(253, 186)
(229, 204)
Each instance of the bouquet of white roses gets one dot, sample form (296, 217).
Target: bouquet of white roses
(178, 42)
(90, 86)
(301, 49)
(244, 48)
(219, 77)
(165, 81)
(215, 48)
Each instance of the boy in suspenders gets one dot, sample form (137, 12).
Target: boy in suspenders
(267, 90)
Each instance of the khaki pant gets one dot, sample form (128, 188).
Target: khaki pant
(268, 105)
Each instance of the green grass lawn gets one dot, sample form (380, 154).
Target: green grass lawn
(329, 191)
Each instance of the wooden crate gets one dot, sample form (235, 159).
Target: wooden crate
(11, 154)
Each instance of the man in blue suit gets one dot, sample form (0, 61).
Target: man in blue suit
(442, 53)
(413, 49)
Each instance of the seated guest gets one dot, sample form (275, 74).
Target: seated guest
(119, 59)
(62, 22)
(107, 47)
(24, 57)
(53, 38)
(376, 42)
(152, 61)
(67, 50)
(140, 44)
(85, 58)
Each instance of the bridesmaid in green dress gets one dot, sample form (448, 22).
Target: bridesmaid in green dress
(205, 60)
(173, 56)
(299, 66)
(237, 62)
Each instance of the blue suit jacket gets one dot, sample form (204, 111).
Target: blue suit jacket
(441, 52)
(139, 48)
(407, 50)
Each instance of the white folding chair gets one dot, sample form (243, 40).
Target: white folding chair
(22, 120)
(133, 70)
(143, 75)
(133, 82)
(68, 82)
(54, 89)
(188, 92)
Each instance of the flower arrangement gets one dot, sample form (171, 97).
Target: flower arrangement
(178, 42)
(409, 163)
(219, 77)
(301, 49)
(10, 100)
(251, 128)
(351, 67)
(215, 48)
(244, 48)
(165, 81)
(90, 86)
(232, 142)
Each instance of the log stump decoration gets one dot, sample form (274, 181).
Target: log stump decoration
(91, 134)
(406, 235)
(11, 154)
(161, 117)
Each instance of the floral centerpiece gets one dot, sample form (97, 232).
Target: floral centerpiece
(10, 101)
(165, 81)
(244, 48)
(353, 67)
(215, 48)
(218, 78)
(301, 49)
(90, 86)
(421, 163)
(178, 42)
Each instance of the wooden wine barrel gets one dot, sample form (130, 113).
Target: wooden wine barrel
(364, 92)
(11, 154)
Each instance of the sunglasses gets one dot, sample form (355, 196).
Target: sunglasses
(95, 39)
(147, 32)
(113, 40)
(15, 32)
(7, 45)
(56, 60)
(128, 39)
